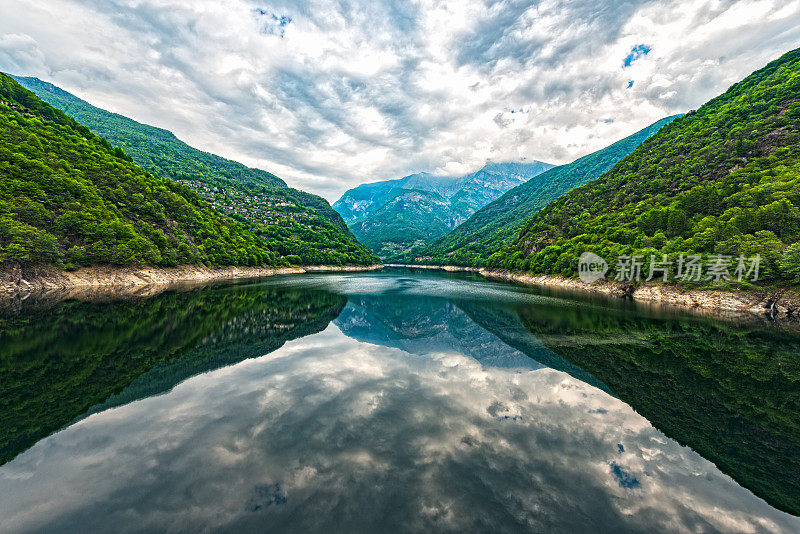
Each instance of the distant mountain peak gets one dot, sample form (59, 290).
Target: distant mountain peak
(387, 219)
(488, 228)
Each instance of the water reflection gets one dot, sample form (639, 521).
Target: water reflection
(731, 391)
(425, 406)
(57, 362)
(421, 325)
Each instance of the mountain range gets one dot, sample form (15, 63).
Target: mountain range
(70, 198)
(298, 225)
(392, 216)
(491, 227)
(722, 181)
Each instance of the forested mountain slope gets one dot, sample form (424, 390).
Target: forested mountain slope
(67, 197)
(393, 216)
(296, 224)
(155, 150)
(409, 216)
(724, 179)
(497, 223)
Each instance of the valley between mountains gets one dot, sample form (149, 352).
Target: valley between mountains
(717, 183)
(85, 187)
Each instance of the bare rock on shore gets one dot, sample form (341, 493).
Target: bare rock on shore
(22, 281)
(769, 303)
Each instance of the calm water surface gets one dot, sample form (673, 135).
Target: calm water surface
(383, 402)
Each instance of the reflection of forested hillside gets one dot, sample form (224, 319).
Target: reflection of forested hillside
(506, 325)
(729, 391)
(57, 363)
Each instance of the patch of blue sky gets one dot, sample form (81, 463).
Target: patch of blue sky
(626, 480)
(636, 52)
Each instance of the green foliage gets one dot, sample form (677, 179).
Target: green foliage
(291, 221)
(410, 216)
(790, 263)
(68, 197)
(724, 179)
(499, 222)
(155, 150)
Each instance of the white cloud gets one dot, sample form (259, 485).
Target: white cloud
(20, 52)
(332, 94)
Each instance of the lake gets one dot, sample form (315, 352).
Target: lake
(394, 401)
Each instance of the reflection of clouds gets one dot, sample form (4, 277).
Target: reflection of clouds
(421, 325)
(329, 434)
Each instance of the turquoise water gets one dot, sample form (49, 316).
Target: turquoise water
(395, 401)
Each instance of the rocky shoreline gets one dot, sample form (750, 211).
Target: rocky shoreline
(23, 282)
(763, 303)
(102, 282)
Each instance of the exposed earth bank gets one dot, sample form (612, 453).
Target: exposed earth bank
(106, 281)
(777, 304)
(17, 281)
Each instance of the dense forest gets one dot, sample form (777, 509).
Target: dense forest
(69, 198)
(298, 226)
(722, 180)
(409, 217)
(155, 150)
(499, 222)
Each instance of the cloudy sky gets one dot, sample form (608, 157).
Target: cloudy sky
(330, 94)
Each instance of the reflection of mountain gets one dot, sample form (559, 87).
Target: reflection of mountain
(48, 382)
(729, 391)
(419, 324)
(505, 324)
(334, 436)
